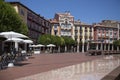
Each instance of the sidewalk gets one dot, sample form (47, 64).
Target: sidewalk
(43, 62)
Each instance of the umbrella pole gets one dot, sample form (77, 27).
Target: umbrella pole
(40, 49)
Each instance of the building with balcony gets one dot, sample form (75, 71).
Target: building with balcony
(37, 25)
(112, 23)
(83, 33)
(65, 24)
(105, 33)
(55, 28)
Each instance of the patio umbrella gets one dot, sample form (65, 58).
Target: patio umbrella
(28, 41)
(12, 34)
(14, 40)
(2, 38)
(51, 45)
(32, 46)
(40, 45)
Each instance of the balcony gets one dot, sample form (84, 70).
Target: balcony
(103, 34)
(81, 30)
(107, 34)
(110, 41)
(81, 36)
(115, 36)
(86, 36)
(111, 36)
(65, 33)
(30, 16)
(99, 34)
(106, 37)
(90, 30)
(90, 37)
(65, 28)
(68, 28)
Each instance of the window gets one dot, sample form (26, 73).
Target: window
(55, 25)
(55, 33)
(22, 12)
(110, 33)
(80, 27)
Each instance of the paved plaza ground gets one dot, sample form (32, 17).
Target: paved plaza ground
(42, 63)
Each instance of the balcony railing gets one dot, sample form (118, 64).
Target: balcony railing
(66, 34)
(90, 30)
(107, 34)
(68, 28)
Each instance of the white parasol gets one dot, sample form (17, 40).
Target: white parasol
(28, 41)
(40, 45)
(14, 40)
(12, 34)
(51, 45)
(32, 45)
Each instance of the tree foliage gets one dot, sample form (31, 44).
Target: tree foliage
(50, 39)
(58, 41)
(69, 41)
(116, 42)
(44, 39)
(10, 20)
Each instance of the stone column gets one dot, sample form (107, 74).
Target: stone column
(105, 46)
(97, 46)
(78, 48)
(83, 47)
(87, 46)
(117, 48)
(112, 47)
(101, 46)
(108, 47)
(59, 49)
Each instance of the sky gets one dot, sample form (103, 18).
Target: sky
(88, 11)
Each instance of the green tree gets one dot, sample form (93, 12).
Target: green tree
(44, 39)
(72, 42)
(10, 20)
(50, 39)
(116, 42)
(58, 41)
(66, 39)
(62, 41)
(69, 41)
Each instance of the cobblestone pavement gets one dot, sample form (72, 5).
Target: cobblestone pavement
(42, 63)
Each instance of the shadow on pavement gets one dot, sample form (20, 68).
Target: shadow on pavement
(21, 64)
